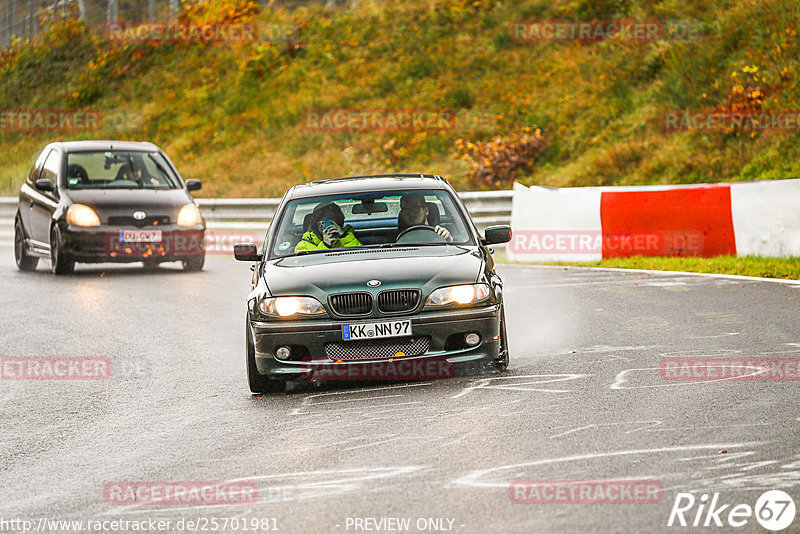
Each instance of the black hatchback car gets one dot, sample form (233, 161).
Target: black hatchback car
(373, 278)
(107, 201)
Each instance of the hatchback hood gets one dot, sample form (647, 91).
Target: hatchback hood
(426, 268)
(126, 201)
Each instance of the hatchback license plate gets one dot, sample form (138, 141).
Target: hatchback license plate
(376, 330)
(140, 236)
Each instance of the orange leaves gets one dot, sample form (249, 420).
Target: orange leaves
(748, 91)
(498, 160)
(218, 11)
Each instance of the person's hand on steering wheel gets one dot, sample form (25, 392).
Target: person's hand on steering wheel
(444, 232)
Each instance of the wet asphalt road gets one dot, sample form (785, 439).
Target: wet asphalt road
(582, 400)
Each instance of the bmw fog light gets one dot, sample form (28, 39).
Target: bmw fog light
(283, 353)
(472, 339)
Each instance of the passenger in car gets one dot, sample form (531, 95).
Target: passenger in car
(334, 234)
(414, 211)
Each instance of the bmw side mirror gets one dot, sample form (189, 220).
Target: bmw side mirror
(497, 234)
(246, 252)
(193, 185)
(44, 184)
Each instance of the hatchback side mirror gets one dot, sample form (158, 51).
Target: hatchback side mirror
(193, 185)
(246, 252)
(44, 184)
(497, 234)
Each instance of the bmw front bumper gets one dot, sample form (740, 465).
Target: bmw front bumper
(442, 332)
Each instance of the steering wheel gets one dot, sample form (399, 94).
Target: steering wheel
(408, 235)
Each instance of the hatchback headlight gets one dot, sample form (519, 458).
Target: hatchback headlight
(466, 294)
(81, 215)
(290, 306)
(189, 216)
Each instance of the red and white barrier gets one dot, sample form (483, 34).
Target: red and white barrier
(766, 218)
(592, 223)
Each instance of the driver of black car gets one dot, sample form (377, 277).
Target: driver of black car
(414, 211)
(135, 174)
(128, 173)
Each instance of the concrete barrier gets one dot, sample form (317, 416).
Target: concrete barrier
(592, 223)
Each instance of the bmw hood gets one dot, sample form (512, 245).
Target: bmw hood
(425, 268)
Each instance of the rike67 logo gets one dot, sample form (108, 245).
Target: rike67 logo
(774, 510)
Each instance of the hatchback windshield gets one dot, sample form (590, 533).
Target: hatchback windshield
(408, 217)
(119, 170)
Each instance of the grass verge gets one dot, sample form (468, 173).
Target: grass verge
(784, 268)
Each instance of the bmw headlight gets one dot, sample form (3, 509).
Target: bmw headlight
(81, 215)
(189, 216)
(291, 306)
(466, 294)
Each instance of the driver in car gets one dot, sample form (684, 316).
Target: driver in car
(414, 211)
(327, 230)
(126, 172)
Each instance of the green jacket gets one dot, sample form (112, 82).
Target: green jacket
(310, 241)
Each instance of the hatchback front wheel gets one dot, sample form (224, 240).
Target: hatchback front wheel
(59, 262)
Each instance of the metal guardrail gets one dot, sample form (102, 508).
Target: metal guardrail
(485, 207)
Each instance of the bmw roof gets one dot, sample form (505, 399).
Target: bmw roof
(357, 184)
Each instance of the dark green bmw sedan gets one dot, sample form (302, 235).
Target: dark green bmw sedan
(373, 278)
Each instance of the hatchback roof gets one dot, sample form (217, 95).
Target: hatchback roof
(359, 184)
(81, 146)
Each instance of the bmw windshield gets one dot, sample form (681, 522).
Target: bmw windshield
(374, 219)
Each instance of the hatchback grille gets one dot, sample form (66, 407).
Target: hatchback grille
(398, 300)
(370, 349)
(155, 220)
(351, 303)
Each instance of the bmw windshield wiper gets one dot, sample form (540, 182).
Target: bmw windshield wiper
(362, 247)
(307, 252)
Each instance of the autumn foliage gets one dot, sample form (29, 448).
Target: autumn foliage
(218, 11)
(497, 162)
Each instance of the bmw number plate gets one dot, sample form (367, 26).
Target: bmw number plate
(140, 236)
(376, 330)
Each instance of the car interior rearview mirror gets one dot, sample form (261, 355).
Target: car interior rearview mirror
(369, 208)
